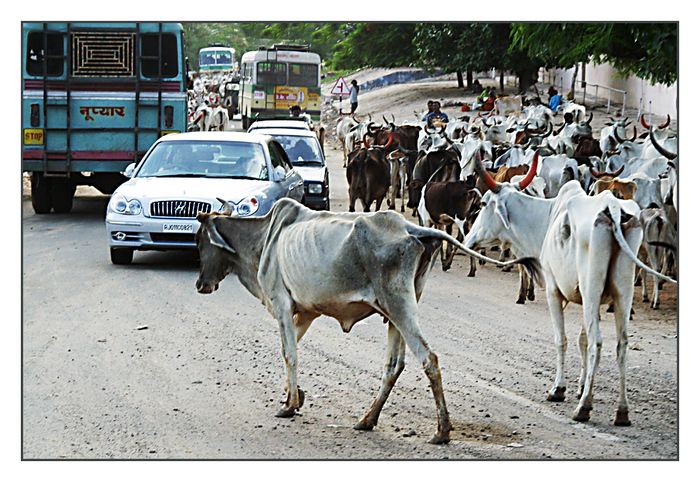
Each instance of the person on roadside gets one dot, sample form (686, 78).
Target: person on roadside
(354, 92)
(437, 114)
(554, 99)
(430, 110)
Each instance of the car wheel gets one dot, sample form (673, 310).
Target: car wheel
(327, 206)
(41, 193)
(121, 255)
(62, 192)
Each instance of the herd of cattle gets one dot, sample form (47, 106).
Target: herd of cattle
(209, 103)
(578, 212)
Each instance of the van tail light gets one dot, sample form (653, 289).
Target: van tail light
(168, 116)
(35, 118)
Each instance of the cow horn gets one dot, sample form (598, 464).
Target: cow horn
(385, 120)
(644, 123)
(354, 118)
(550, 125)
(390, 141)
(227, 207)
(369, 117)
(612, 120)
(667, 123)
(667, 154)
(625, 123)
(486, 177)
(393, 119)
(578, 115)
(364, 139)
(596, 174)
(617, 138)
(561, 128)
(525, 182)
(590, 118)
(618, 172)
(634, 129)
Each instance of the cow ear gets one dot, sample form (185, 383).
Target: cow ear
(502, 213)
(217, 240)
(202, 216)
(445, 219)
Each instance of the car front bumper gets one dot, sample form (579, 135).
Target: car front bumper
(142, 233)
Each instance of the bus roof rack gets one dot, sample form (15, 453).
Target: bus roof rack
(284, 47)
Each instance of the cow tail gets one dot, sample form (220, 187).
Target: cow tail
(614, 213)
(532, 265)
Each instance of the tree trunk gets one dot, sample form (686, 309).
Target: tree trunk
(572, 93)
(460, 80)
(501, 82)
(470, 79)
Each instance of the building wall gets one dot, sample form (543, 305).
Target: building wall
(664, 100)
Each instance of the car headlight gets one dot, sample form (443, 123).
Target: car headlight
(245, 207)
(314, 188)
(120, 204)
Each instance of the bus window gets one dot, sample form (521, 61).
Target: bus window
(303, 75)
(272, 73)
(35, 54)
(168, 59)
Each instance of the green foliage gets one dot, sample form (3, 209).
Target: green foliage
(648, 50)
(374, 45)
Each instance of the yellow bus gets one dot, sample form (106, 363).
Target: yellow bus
(276, 78)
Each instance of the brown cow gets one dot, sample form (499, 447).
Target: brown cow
(446, 203)
(609, 181)
(368, 177)
(505, 173)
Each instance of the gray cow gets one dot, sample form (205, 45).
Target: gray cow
(303, 264)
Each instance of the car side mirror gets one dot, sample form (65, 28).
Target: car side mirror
(279, 173)
(129, 171)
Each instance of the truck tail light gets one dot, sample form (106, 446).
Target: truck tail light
(168, 116)
(35, 118)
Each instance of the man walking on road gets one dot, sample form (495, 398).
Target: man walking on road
(354, 90)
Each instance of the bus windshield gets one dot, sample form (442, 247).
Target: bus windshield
(215, 58)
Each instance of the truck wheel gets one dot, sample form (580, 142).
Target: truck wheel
(41, 193)
(62, 192)
(121, 255)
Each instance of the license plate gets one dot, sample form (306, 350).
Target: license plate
(178, 228)
(33, 136)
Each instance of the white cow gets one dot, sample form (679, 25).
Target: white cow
(587, 247)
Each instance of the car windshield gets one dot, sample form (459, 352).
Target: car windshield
(301, 151)
(240, 160)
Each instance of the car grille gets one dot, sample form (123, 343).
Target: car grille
(178, 209)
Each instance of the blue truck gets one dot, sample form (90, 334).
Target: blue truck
(95, 97)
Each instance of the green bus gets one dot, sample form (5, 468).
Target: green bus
(276, 78)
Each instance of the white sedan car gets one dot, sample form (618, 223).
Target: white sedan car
(182, 174)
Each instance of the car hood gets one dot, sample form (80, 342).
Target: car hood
(311, 173)
(191, 188)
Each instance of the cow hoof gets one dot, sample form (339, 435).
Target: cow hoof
(286, 412)
(557, 396)
(364, 425)
(302, 396)
(638, 282)
(531, 296)
(440, 438)
(622, 418)
(611, 308)
(520, 301)
(402, 209)
(631, 312)
(645, 299)
(471, 274)
(582, 414)
(445, 267)
(654, 306)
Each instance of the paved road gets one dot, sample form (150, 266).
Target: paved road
(205, 376)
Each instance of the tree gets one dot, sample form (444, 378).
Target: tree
(374, 45)
(648, 50)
